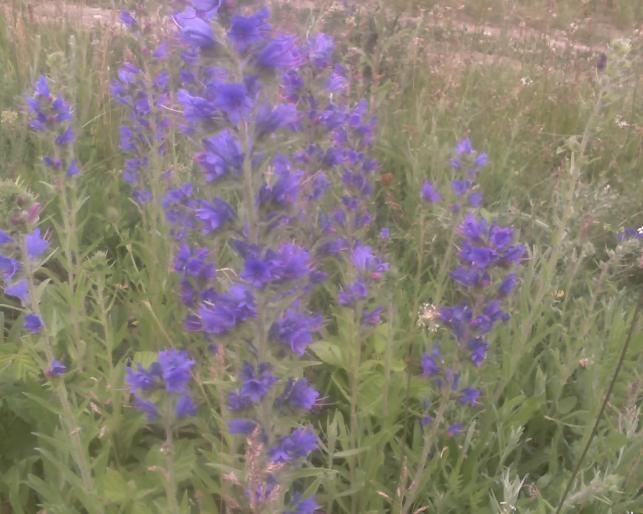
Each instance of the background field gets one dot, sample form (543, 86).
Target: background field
(519, 78)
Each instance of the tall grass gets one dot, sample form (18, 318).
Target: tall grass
(565, 152)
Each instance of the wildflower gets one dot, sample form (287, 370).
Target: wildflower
(455, 429)
(194, 29)
(248, 31)
(222, 156)
(298, 444)
(227, 310)
(5, 238)
(280, 53)
(469, 396)
(8, 267)
(214, 214)
(296, 330)
(146, 407)
(175, 368)
(56, 369)
(303, 506)
(33, 323)
(430, 365)
(320, 50)
(241, 426)
(234, 100)
(429, 193)
(128, 19)
(19, 290)
(352, 293)
(142, 379)
(185, 407)
(35, 244)
(256, 386)
(299, 395)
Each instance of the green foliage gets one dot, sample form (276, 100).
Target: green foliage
(566, 174)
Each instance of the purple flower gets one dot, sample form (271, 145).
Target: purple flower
(465, 276)
(195, 108)
(248, 31)
(455, 429)
(42, 87)
(282, 116)
(352, 293)
(296, 330)
(365, 261)
(56, 369)
(146, 407)
(508, 284)
(303, 506)
(73, 169)
(5, 238)
(227, 310)
(478, 348)
(372, 317)
(18, 290)
(426, 420)
(513, 254)
(33, 323)
(175, 369)
(280, 53)
(479, 257)
(464, 147)
(284, 192)
(299, 443)
(481, 160)
(185, 407)
(233, 100)
(474, 228)
(221, 157)
(299, 395)
(500, 237)
(8, 267)
(469, 396)
(195, 30)
(241, 426)
(128, 19)
(35, 244)
(475, 199)
(460, 187)
(320, 50)
(430, 365)
(65, 137)
(142, 379)
(214, 214)
(429, 193)
(256, 385)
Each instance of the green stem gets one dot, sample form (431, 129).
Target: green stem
(407, 499)
(72, 258)
(69, 419)
(170, 478)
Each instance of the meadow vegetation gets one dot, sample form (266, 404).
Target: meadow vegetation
(119, 391)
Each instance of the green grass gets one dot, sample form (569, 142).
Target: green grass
(430, 84)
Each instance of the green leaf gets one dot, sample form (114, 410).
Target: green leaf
(114, 487)
(329, 353)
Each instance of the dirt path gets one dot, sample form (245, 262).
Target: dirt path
(57, 11)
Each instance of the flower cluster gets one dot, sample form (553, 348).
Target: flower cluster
(51, 115)
(486, 254)
(162, 388)
(278, 144)
(23, 249)
(144, 91)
